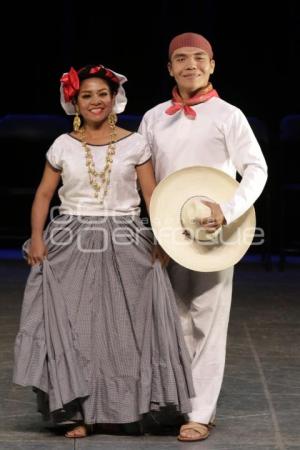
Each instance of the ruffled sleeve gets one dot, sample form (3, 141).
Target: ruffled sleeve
(144, 155)
(54, 155)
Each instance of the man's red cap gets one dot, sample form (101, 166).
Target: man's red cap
(190, 40)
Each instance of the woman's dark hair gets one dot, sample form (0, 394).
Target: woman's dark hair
(93, 71)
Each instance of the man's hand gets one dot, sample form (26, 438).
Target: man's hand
(215, 220)
(159, 253)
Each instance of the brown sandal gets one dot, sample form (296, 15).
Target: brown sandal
(200, 428)
(79, 431)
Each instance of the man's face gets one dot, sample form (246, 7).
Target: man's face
(191, 67)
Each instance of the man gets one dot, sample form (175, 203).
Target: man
(198, 128)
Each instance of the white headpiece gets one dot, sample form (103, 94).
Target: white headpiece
(70, 83)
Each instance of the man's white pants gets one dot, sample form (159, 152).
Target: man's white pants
(204, 300)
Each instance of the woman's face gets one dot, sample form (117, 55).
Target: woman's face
(95, 100)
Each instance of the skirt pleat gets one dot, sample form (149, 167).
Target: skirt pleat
(100, 337)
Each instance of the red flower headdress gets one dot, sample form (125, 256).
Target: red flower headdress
(70, 84)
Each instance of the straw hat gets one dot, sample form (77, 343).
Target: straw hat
(176, 207)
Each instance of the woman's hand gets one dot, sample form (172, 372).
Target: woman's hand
(159, 253)
(37, 251)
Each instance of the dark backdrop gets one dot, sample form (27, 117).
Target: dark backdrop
(256, 48)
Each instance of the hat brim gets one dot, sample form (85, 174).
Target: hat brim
(165, 207)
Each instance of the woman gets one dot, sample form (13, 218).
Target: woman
(99, 337)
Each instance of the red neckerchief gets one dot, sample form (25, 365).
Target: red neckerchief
(178, 103)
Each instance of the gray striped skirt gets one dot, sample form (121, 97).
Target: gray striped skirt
(100, 337)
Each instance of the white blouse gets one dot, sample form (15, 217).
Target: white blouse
(67, 155)
(219, 137)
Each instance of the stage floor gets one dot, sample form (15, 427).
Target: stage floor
(259, 407)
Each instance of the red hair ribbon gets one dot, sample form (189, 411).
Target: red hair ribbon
(108, 73)
(70, 83)
(96, 69)
(112, 76)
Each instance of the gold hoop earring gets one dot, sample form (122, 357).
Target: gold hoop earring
(112, 119)
(76, 122)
